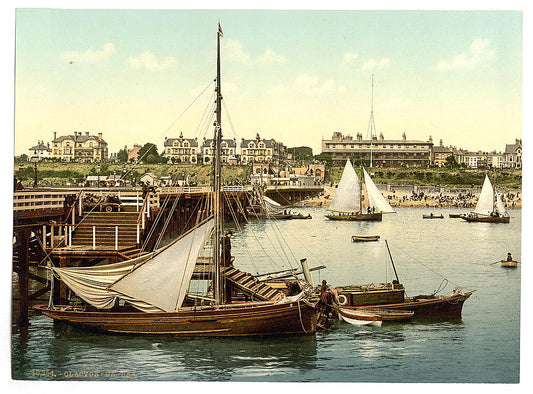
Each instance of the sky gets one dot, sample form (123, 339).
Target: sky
(297, 76)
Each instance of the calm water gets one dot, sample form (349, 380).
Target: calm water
(481, 347)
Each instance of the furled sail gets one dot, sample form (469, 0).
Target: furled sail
(485, 203)
(152, 283)
(272, 206)
(163, 280)
(348, 195)
(91, 283)
(376, 199)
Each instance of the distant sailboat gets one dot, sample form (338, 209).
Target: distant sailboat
(489, 207)
(347, 199)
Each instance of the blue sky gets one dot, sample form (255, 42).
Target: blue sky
(296, 76)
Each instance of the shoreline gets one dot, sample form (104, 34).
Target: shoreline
(404, 200)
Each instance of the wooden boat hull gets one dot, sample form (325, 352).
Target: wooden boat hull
(391, 315)
(509, 264)
(451, 306)
(365, 238)
(366, 295)
(455, 215)
(250, 319)
(376, 217)
(432, 217)
(486, 219)
(359, 317)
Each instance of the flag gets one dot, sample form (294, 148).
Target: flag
(220, 30)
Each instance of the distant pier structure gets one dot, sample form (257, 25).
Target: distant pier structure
(86, 226)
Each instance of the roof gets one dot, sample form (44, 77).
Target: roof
(41, 146)
(244, 143)
(230, 142)
(191, 141)
(79, 138)
(512, 148)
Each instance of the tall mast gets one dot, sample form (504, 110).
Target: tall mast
(371, 124)
(217, 182)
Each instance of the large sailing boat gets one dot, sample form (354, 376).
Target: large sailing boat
(489, 207)
(147, 295)
(347, 200)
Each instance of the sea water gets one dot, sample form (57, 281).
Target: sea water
(430, 255)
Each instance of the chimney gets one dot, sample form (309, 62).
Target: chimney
(359, 137)
(430, 139)
(55, 135)
(87, 133)
(381, 138)
(404, 137)
(100, 136)
(440, 142)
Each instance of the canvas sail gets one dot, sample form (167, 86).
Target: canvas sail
(163, 280)
(376, 199)
(348, 195)
(271, 206)
(152, 283)
(500, 206)
(485, 202)
(91, 283)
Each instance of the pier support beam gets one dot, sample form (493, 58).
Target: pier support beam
(23, 275)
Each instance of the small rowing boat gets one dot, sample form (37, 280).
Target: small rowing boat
(360, 318)
(431, 216)
(365, 238)
(509, 263)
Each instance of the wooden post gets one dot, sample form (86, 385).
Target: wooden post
(94, 237)
(23, 276)
(44, 237)
(116, 237)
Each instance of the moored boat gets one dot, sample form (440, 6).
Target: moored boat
(455, 215)
(391, 296)
(360, 318)
(431, 216)
(148, 295)
(365, 238)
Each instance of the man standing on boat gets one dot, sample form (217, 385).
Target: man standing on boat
(226, 248)
(328, 297)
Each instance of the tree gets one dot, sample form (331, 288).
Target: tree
(325, 157)
(122, 156)
(147, 150)
(451, 162)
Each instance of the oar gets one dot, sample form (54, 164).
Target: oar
(496, 262)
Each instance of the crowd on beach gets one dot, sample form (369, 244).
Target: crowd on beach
(512, 200)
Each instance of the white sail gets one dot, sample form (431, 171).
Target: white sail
(152, 283)
(485, 203)
(348, 194)
(163, 280)
(91, 283)
(272, 206)
(500, 206)
(375, 198)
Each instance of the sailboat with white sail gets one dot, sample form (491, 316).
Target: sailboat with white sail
(147, 295)
(489, 208)
(347, 202)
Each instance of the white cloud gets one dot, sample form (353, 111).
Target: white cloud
(90, 56)
(306, 81)
(271, 57)
(350, 57)
(374, 64)
(147, 60)
(233, 51)
(479, 53)
(276, 90)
